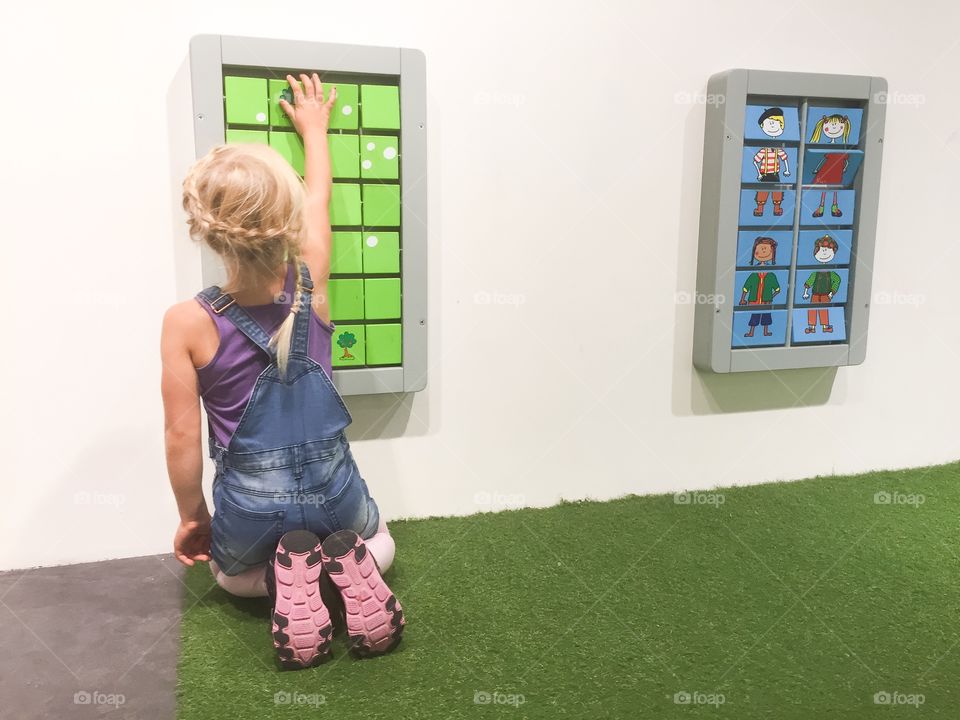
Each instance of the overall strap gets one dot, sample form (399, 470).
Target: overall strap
(224, 304)
(301, 324)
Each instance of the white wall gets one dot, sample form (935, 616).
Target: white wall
(564, 163)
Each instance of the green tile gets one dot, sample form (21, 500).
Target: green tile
(345, 255)
(347, 346)
(280, 88)
(381, 298)
(344, 155)
(246, 100)
(345, 204)
(345, 114)
(239, 137)
(381, 205)
(290, 146)
(346, 299)
(380, 105)
(384, 345)
(380, 157)
(381, 252)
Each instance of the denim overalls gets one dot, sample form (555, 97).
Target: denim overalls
(288, 466)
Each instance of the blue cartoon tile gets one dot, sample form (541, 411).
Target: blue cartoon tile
(824, 247)
(818, 325)
(757, 329)
(772, 248)
(767, 208)
(821, 285)
(822, 166)
(768, 164)
(827, 207)
(761, 287)
(766, 122)
(833, 125)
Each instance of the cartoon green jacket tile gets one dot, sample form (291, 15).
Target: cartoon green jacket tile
(760, 288)
(822, 282)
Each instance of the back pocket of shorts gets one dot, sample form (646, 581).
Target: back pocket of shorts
(245, 537)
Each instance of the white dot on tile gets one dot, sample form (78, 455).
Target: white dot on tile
(367, 164)
(370, 146)
(372, 241)
(261, 117)
(390, 153)
(347, 109)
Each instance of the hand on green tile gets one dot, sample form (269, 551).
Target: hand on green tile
(309, 112)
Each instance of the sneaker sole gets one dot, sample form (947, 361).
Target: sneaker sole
(301, 622)
(374, 616)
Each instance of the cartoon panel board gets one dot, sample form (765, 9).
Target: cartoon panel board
(818, 325)
(823, 166)
(833, 125)
(765, 122)
(759, 328)
(821, 285)
(767, 208)
(824, 247)
(768, 164)
(826, 207)
(771, 248)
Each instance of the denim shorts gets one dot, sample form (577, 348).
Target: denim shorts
(257, 497)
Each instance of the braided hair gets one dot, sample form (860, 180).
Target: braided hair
(246, 203)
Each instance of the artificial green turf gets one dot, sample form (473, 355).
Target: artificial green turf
(796, 600)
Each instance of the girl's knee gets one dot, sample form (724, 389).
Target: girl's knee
(382, 547)
(249, 583)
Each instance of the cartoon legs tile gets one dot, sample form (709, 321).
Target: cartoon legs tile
(761, 199)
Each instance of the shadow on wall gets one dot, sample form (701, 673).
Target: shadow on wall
(697, 392)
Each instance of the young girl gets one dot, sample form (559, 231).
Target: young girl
(290, 504)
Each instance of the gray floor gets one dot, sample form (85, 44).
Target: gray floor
(92, 640)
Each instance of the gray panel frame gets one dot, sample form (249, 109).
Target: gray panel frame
(208, 55)
(719, 218)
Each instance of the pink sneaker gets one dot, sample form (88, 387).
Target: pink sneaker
(301, 622)
(374, 616)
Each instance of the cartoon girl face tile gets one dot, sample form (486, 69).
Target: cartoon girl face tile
(764, 251)
(834, 125)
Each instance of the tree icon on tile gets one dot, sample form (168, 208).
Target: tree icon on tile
(346, 340)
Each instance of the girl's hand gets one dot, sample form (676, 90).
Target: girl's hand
(192, 541)
(309, 112)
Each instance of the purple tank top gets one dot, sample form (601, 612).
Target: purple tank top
(226, 382)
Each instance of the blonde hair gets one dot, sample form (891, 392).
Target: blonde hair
(818, 128)
(246, 203)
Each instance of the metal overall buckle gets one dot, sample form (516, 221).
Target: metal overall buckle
(220, 309)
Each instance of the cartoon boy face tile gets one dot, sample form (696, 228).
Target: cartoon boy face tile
(771, 122)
